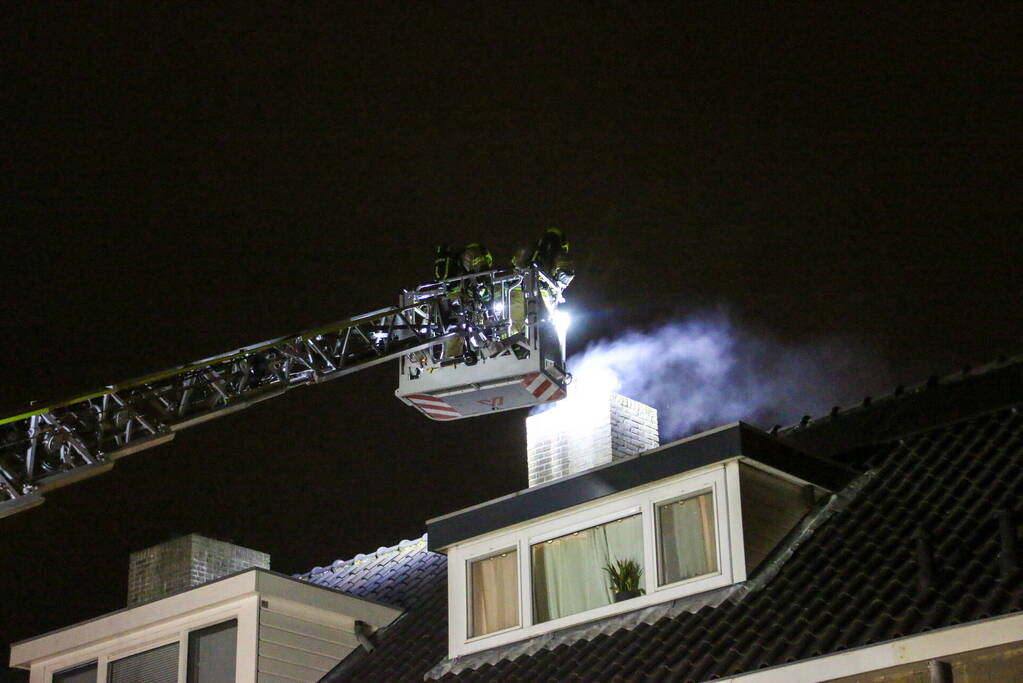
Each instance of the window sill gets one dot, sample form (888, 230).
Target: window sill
(486, 636)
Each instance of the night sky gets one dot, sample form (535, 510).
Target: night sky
(180, 182)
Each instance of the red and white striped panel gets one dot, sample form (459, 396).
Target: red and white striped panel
(434, 407)
(543, 388)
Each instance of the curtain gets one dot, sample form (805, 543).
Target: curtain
(495, 593)
(688, 547)
(568, 572)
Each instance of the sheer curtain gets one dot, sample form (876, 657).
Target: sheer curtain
(495, 593)
(688, 547)
(568, 572)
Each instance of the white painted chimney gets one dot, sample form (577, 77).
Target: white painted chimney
(585, 432)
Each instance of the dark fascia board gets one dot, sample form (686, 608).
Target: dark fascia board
(717, 445)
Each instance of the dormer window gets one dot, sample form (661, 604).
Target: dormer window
(686, 539)
(551, 573)
(494, 593)
(568, 571)
(690, 517)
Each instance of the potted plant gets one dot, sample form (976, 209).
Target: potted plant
(623, 579)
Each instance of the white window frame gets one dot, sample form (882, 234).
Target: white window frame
(243, 611)
(720, 479)
(468, 587)
(587, 523)
(139, 648)
(657, 539)
(80, 665)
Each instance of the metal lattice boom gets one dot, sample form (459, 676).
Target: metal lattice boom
(59, 443)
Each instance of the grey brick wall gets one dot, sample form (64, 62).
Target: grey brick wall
(558, 444)
(184, 562)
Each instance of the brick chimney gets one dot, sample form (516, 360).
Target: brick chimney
(185, 562)
(576, 436)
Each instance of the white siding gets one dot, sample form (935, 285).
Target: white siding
(771, 506)
(296, 648)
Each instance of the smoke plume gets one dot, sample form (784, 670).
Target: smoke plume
(703, 371)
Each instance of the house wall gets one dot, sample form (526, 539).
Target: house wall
(288, 629)
(771, 506)
(300, 643)
(162, 632)
(986, 650)
(292, 642)
(1000, 663)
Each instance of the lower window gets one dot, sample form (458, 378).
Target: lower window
(159, 665)
(569, 571)
(79, 674)
(211, 653)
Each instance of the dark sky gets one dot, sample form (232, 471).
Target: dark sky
(179, 182)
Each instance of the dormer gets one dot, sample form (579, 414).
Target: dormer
(206, 611)
(695, 515)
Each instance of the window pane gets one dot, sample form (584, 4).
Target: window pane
(568, 572)
(687, 542)
(211, 653)
(153, 666)
(79, 674)
(494, 586)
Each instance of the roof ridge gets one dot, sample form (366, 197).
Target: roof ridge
(901, 392)
(364, 557)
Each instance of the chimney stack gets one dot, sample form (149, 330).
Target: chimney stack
(185, 562)
(579, 434)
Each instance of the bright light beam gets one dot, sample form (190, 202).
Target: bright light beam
(562, 321)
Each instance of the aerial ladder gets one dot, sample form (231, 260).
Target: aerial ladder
(467, 346)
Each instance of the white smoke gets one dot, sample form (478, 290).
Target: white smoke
(702, 372)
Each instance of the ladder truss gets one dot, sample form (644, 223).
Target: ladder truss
(58, 444)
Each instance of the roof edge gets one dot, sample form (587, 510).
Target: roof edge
(734, 440)
(937, 401)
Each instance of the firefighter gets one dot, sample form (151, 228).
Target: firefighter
(447, 263)
(516, 297)
(456, 262)
(451, 262)
(475, 258)
(551, 255)
(520, 259)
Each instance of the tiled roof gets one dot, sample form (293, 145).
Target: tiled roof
(932, 498)
(407, 576)
(394, 576)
